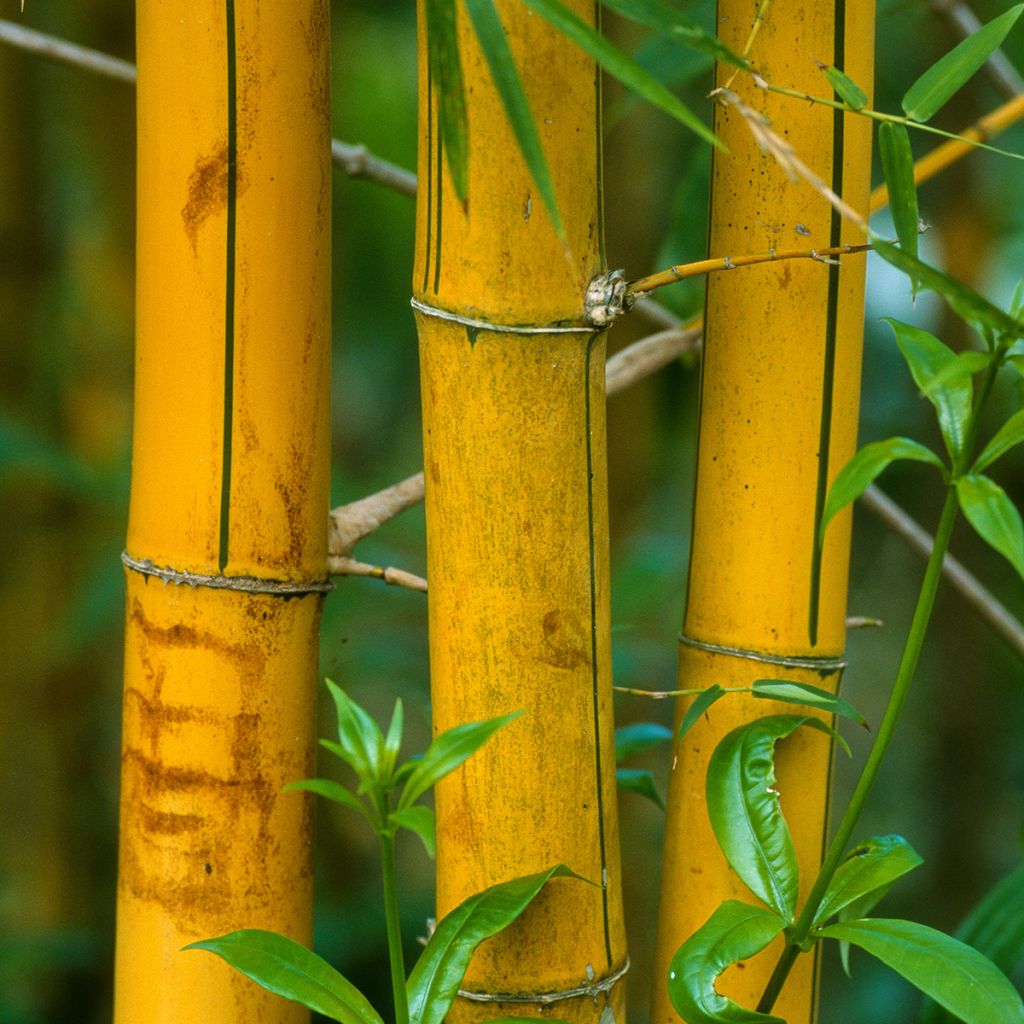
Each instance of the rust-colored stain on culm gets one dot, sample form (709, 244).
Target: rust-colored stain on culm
(207, 191)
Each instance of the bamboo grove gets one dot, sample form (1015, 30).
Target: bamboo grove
(229, 549)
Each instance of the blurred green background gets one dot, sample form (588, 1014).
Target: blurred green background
(955, 784)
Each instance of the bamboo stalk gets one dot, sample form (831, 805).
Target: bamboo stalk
(514, 450)
(779, 395)
(226, 550)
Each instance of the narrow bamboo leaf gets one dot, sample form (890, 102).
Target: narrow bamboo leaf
(494, 44)
(746, 816)
(447, 752)
(446, 74)
(848, 91)
(868, 871)
(438, 973)
(698, 708)
(928, 358)
(1009, 435)
(393, 739)
(989, 510)
(734, 932)
(417, 819)
(288, 969)
(639, 781)
(638, 737)
(810, 696)
(360, 741)
(944, 78)
(337, 793)
(995, 927)
(662, 17)
(1017, 301)
(985, 318)
(959, 978)
(616, 63)
(898, 168)
(860, 472)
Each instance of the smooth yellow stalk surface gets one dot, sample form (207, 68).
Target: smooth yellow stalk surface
(230, 484)
(779, 397)
(514, 455)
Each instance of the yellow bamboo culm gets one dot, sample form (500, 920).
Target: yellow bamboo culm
(226, 548)
(779, 396)
(514, 455)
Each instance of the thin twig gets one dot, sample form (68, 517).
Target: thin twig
(356, 161)
(759, 19)
(964, 22)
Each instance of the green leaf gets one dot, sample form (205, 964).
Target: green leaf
(447, 752)
(927, 358)
(417, 819)
(734, 932)
(846, 88)
(634, 739)
(616, 63)
(446, 77)
(746, 817)
(867, 872)
(1017, 301)
(944, 78)
(953, 974)
(393, 740)
(360, 741)
(639, 781)
(965, 302)
(494, 44)
(662, 17)
(995, 927)
(989, 510)
(338, 794)
(898, 167)
(810, 696)
(698, 708)
(860, 472)
(1009, 435)
(288, 969)
(438, 973)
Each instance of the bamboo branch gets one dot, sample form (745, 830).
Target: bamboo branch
(355, 161)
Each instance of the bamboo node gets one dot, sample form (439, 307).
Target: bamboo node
(826, 666)
(246, 584)
(593, 988)
(486, 325)
(607, 298)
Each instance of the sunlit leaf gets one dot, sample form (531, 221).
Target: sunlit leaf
(846, 88)
(953, 974)
(898, 167)
(637, 737)
(616, 63)
(285, 967)
(639, 781)
(810, 696)
(336, 793)
(494, 44)
(360, 741)
(944, 78)
(1009, 435)
(393, 739)
(419, 819)
(989, 510)
(698, 708)
(446, 77)
(733, 933)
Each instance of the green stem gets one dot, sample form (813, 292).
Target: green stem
(394, 928)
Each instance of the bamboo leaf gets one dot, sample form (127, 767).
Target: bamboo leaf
(898, 167)
(1009, 435)
(634, 739)
(393, 739)
(285, 967)
(335, 792)
(959, 978)
(995, 927)
(446, 75)
(616, 63)
(866, 874)
(846, 89)
(860, 472)
(734, 932)
(944, 78)
(996, 519)
(360, 741)
(965, 302)
(698, 708)
(438, 973)
(447, 752)
(494, 44)
(662, 17)
(639, 781)
(930, 360)
(417, 819)
(746, 816)
(810, 696)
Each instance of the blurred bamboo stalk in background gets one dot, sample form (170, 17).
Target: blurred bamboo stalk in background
(226, 549)
(778, 418)
(517, 534)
